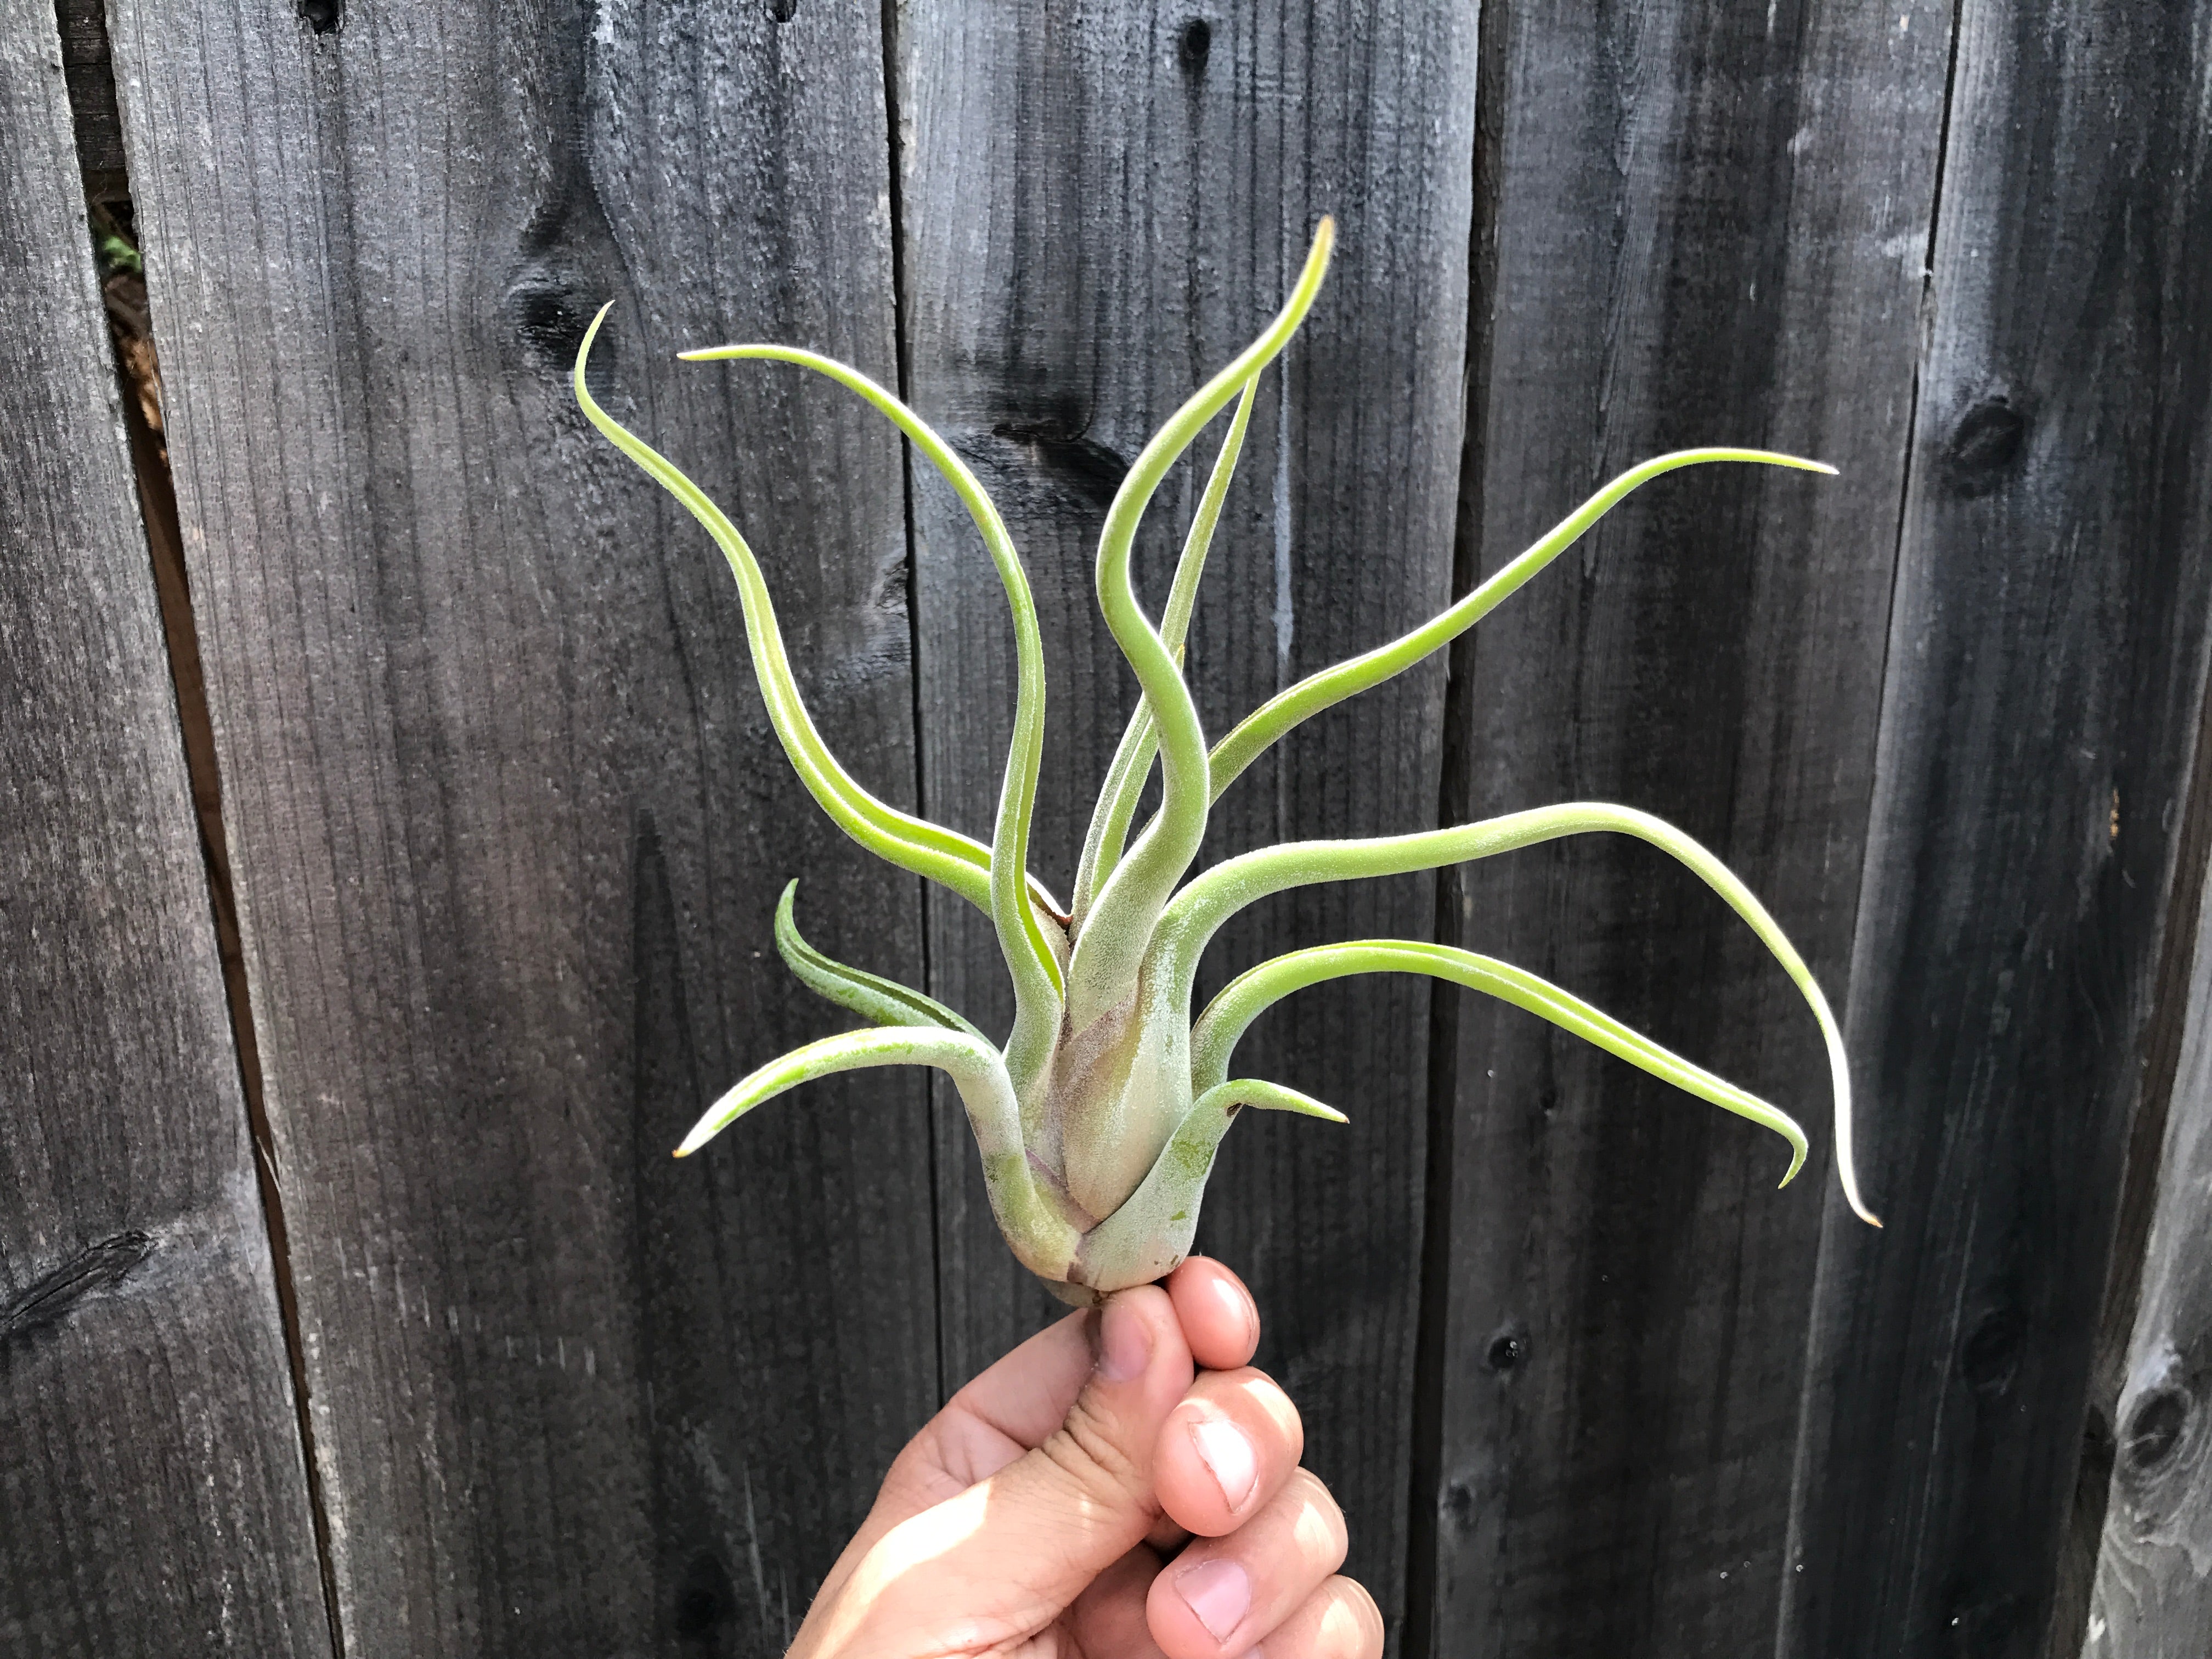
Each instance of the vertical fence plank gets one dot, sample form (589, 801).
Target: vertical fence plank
(1702, 223)
(150, 1474)
(507, 818)
(1100, 207)
(2045, 675)
(508, 821)
(2152, 1598)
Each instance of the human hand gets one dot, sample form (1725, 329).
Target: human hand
(1049, 1511)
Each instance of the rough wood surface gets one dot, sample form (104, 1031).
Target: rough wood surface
(1703, 223)
(2153, 1595)
(150, 1474)
(2046, 676)
(1099, 210)
(508, 820)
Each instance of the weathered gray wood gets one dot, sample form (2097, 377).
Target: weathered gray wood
(150, 1474)
(1099, 208)
(508, 819)
(1704, 224)
(2171, 1022)
(2153, 1595)
(509, 823)
(2045, 678)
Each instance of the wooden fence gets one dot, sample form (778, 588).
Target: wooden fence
(350, 1302)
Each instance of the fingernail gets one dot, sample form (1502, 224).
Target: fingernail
(1218, 1592)
(1125, 1343)
(1228, 1455)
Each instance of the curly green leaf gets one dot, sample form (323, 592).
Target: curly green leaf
(1029, 958)
(1200, 908)
(1122, 918)
(1245, 997)
(1132, 759)
(1042, 1237)
(874, 997)
(1302, 701)
(928, 849)
(1117, 803)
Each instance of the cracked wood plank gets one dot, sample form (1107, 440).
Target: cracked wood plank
(150, 1472)
(508, 821)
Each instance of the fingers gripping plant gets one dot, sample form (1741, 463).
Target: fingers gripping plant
(1099, 1120)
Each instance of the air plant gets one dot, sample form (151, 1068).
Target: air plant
(1100, 1117)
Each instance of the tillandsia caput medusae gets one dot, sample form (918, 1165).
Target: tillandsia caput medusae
(1099, 1118)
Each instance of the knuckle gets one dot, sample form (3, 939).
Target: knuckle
(1086, 1449)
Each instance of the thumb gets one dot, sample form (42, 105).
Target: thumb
(1003, 1559)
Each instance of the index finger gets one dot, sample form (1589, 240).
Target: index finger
(1220, 1320)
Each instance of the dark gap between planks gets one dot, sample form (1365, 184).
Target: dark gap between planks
(903, 353)
(113, 222)
(1454, 805)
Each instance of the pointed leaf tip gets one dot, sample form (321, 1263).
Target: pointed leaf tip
(1797, 1147)
(1267, 1097)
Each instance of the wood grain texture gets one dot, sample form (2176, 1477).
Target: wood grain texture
(2152, 1593)
(1704, 224)
(150, 1474)
(508, 819)
(2046, 676)
(1099, 210)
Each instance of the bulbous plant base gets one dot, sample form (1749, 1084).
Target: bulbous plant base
(1076, 1296)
